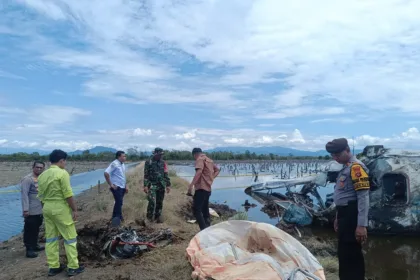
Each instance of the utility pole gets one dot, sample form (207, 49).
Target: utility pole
(353, 144)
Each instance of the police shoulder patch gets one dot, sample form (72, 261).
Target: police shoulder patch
(359, 177)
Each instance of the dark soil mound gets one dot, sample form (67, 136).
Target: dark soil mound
(222, 210)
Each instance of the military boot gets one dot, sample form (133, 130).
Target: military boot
(30, 253)
(159, 219)
(39, 248)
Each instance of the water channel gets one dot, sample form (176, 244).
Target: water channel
(11, 220)
(386, 258)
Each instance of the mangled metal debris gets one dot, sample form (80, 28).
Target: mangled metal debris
(128, 243)
(394, 193)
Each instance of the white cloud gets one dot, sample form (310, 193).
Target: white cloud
(335, 120)
(289, 99)
(68, 145)
(53, 115)
(8, 110)
(297, 137)
(47, 7)
(301, 111)
(342, 60)
(412, 134)
(186, 135)
(142, 132)
(337, 52)
(5, 74)
(207, 139)
(233, 140)
(265, 140)
(266, 124)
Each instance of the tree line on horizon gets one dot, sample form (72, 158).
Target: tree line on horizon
(174, 155)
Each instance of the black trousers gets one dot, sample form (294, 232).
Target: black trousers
(118, 198)
(201, 208)
(31, 231)
(350, 255)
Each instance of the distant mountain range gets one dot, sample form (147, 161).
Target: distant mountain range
(95, 150)
(280, 151)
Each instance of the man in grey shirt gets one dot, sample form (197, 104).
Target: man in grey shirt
(32, 210)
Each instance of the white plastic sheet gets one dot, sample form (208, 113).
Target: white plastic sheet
(249, 250)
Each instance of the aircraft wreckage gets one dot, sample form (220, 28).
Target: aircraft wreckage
(394, 194)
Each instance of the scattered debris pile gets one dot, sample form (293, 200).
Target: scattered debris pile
(98, 243)
(128, 243)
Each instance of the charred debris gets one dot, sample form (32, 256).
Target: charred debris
(394, 193)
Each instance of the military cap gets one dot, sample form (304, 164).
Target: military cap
(158, 151)
(336, 146)
(196, 150)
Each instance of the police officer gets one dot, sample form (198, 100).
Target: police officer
(351, 197)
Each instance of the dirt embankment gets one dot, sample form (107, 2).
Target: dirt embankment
(168, 262)
(12, 172)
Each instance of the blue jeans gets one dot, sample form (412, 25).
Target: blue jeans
(118, 197)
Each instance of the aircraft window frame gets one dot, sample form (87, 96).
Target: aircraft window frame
(407, 183)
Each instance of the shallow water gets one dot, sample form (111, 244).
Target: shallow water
(11, 220)
(386, 258)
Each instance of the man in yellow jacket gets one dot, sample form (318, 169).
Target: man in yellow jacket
(60, 212)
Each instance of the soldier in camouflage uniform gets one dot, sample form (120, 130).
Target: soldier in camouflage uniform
(156, 179)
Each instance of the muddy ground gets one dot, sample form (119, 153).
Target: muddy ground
(166, 262)
(12, 172)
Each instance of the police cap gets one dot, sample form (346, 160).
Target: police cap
(336, 145)
(158, 151)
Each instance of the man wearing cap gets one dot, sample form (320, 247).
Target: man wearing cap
(156, 179)
(351, 197)
(205, 173)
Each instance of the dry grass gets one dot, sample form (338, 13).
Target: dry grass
(12, 172)
(325, 252)
(164, 263)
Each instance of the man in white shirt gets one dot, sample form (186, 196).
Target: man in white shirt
(115, 177)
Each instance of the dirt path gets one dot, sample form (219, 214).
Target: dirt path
(162, 263)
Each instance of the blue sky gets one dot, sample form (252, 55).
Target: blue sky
(178, 74)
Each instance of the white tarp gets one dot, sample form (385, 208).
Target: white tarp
(249, 250)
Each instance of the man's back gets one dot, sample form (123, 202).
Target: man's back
(208, 170)
(54, 184)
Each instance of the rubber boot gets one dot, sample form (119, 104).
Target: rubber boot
(73, 272)
(55, 271)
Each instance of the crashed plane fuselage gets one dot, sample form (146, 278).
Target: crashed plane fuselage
(394, 195)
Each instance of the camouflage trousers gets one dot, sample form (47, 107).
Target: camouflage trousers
(155, 196)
